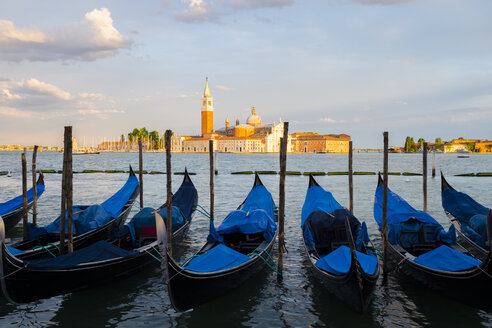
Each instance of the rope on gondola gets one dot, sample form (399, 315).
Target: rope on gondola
(11, 273)
(155, 257)
(45, 248)
(266, 262)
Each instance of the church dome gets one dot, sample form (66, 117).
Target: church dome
(253, 119)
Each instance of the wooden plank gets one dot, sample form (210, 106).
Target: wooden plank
(385, 204)
(24, 194)
(169, 202)
(350, 179)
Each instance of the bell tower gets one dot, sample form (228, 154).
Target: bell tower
(207, 111)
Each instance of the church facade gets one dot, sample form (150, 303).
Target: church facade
(253, 136)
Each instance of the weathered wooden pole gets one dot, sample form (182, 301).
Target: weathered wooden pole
(424, 175)
(434, 163)
(215, 163)
(281, 199)
(212, 193)
(350, 179)
(385, 205)
(66, 203)
(24, 194)
(69, 187)
(169, 203)
(34, 187)
(140, 171)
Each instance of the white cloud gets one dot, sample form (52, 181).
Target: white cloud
(200, 11)
(92, 38)
(10, 33)
(15, 113)
(38, 87)
(101, 114)
(10, 96)
(329, 120)
(223, 87)
(85, 95)
(383, 2)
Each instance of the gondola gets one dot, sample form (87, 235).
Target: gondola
(11, 211)
(233, 253)
(468, 217)
(91, 223)
(420, 248)
(132, 247)
(348, 269)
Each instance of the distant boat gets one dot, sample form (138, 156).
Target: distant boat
(463, 151)
(86, 152)
(463, 156)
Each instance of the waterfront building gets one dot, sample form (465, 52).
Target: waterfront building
(483, 146)
(311, 142)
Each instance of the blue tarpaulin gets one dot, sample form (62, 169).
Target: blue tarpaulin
(146, 218)
(251, 222)
(403, 217)
(445, 258)
(256, 215)
(218, 258)
(98, 251)
(86, 218)
(471, 215)
(318, 199)
(16, 202)
(338, 262)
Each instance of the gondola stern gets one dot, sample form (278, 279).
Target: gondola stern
(132, 173)
(40, 180)
(257, 180)
(444, 184)
(312, 181)
(380, 179)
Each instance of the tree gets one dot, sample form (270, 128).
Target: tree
(408, 146)
(154, 139)
(122, 138)
(421, 143)
(438, 142)
(470, 146)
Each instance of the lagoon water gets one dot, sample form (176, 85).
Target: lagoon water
(298, 301)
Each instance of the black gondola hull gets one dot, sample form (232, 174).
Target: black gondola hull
(355, 295)
(470, 286)
(188, 289)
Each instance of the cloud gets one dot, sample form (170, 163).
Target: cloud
(383, 2)
(201, 11)
(92, 38)
(85, 95)
(469, 114)
(331, 121)
(35, 86)
(31, 98)
(101, 114)
(223, 87)
(13, 112)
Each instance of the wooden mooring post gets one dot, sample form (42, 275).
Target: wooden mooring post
(424, 175)
(169, 191)
(34, 187)
(140, 172)
(434, 163)
(350, 179)
(212, 192)
(281, 200)
(66, 216)
(215, 163)
(385, 206)
(24, 194)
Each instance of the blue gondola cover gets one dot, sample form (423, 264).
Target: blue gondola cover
(472, 215)
(338, 262)
(445, 258)
(87, 218)
(218, 258)
(403, 217)
(16, 202)
(98, 251)
(256, 215)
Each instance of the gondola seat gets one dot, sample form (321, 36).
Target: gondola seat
(218, 258)
(338, 262)
(445, 258)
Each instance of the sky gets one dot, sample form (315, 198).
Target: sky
(420, 68)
